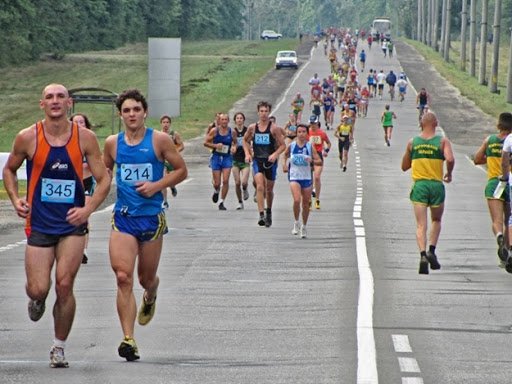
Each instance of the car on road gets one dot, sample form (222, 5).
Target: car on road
(286, 59)
(270, 35)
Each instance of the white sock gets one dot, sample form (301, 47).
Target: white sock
(221, 201)
(59, 343)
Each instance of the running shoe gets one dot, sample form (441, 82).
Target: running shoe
(432, 260)
(36, 309)
(268, 219)
(388, 143)
(255, 199)
(165, 205)
(508, 265)
(146, 311)
(344, 168)
(128, 349)
(174, 191)
(222, 207)
(303, 232)
(423, 270)
(246, 194)
(313, 193)
(85, 259)
(502, 250)
(57, 358)
(261, 221)
(296, 228)
(240, 206)
(317, 204)
(215, 196)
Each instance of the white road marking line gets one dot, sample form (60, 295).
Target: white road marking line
(408, 364)
(412, 380)
(401, 343)
(366, 353)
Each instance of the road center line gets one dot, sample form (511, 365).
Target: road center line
(366, 353)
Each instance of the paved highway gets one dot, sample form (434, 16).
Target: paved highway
(239, 303)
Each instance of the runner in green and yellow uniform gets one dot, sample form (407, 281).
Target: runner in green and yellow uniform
(425, 155)
(499, 208)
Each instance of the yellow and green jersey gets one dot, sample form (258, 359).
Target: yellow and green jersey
(427, 159)
(493, 155)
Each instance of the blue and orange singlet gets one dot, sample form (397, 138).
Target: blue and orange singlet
(55, 184)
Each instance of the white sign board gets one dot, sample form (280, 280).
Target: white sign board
(164, 76)
(22, 172)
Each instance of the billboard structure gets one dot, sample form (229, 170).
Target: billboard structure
(164, 76)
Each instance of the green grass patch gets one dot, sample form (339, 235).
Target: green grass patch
(214, 74)
(491, 103)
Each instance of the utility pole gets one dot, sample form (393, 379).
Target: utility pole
(464, 21)
(423, 22)
(493, 84)
(443, 26)
(436, 26)
(472, 38)
(420, 5)
(448, 24)
(429, 23)
(509, 74)
(483, 43)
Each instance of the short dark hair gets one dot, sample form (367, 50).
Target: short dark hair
(505, 121)
(134, 94)
(165, 117)
(264, 104)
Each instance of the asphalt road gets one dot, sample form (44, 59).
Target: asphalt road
(239, 303)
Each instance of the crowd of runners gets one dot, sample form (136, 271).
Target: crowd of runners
(69, 176)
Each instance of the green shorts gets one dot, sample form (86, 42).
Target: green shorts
(168, 166)
(491, 186)
(428, 192)
(240, 164)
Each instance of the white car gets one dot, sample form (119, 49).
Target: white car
(270, 35)
(286, 59)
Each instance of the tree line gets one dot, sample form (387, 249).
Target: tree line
(31, 28)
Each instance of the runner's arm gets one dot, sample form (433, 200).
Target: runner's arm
(18, 154)
(406, 159)
(505, 164)
(180, 145)
(450, 160)
(480, 157)
(278, 136)
(247, 143)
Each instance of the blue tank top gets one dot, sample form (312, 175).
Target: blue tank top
(225, 140)
(54, 184)
(135, 164)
